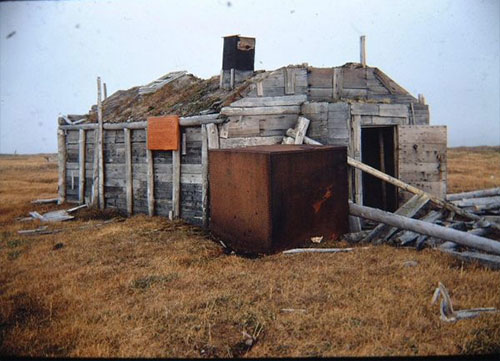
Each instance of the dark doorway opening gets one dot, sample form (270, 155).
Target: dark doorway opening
(377, 150)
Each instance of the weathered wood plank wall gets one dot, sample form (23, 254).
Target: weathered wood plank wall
(126, 183)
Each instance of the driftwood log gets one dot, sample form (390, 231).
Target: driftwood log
(317, 250)
(429, 229)
(448, 314)
(398, 183)
(474, 194)
(479, 201)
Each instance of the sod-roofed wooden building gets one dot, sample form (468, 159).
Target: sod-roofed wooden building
(353, 105)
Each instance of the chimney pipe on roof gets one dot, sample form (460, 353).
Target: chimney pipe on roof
(362, 51)
(238, 59)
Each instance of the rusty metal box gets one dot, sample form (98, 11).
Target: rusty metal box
(266, 199)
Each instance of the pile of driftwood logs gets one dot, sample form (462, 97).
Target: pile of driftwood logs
(461, 235)
(455, 225)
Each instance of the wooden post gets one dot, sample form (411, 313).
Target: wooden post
(151, 183)
(128, 171)
(362, 50)
(176, 183)
(221, 78)
(338, 81)
(231, 81)
(260, 89)
(204, 175)
(100, 145)
(105, 91)
(184, 143)
(412, 109)
(61, 159)
(382, 166)
(95, 170)
(335, 92)
(81, 165)
(301, 129)
(356, 153)
(429, 229)
(289, 76)
(212, 136)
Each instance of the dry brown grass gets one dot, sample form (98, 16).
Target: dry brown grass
(149, 287)
(473, 168)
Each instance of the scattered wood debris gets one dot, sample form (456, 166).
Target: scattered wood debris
(250, 340)
(316, 239)
(446, 307)
(317, 250)
(45, 201)
(33, 231)
(56, 216)
(410, 264)
(44, 229)
(302, 310)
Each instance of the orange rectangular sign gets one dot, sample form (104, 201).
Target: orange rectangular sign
(163, 133)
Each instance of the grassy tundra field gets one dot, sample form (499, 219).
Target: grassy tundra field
(152, 288)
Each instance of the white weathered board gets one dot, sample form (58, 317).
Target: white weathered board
(249, 141)
(270, 101)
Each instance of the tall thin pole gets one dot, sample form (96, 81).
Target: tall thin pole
(100, 145)
(362, 51)
(105, 91)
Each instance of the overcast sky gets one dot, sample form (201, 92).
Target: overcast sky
(52, 52)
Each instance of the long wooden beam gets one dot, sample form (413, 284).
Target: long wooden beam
(275, 110)
(429, 229)
(436, 200)
(474, 194)
(193, 121)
